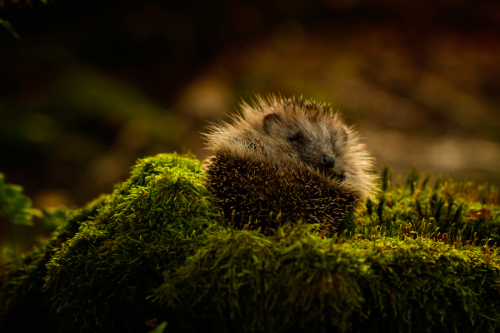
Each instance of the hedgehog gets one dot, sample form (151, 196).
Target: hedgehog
(287, 159)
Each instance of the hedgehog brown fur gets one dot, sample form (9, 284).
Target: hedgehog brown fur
(289, 157)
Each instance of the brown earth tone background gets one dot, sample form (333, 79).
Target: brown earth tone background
(92, 86)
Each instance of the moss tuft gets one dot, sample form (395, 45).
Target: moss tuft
(99, 268)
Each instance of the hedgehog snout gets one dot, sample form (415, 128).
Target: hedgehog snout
(327, 161)
(331, 168)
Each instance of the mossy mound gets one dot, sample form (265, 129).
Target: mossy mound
(99, 267)
(420, 259)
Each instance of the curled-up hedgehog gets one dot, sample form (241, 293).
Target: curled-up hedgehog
(288, 160)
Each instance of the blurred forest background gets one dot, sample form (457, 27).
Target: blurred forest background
(91, 86)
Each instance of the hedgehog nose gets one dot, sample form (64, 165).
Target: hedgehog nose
(327, 161)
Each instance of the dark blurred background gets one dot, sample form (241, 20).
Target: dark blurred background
(92, 86)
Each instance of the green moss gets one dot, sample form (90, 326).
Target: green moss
(100, 266)
(420, 258)
(449, 211)
(21, 294)
(299, 282)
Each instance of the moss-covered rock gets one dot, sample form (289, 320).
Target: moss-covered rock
(421, 259)
(99, 267)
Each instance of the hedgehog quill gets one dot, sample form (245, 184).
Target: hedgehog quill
(287, 160)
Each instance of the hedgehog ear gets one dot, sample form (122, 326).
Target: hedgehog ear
(269, 120)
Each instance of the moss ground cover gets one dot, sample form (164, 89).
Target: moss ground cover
(420, 258)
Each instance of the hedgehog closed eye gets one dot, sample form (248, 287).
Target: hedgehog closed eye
(296, 139)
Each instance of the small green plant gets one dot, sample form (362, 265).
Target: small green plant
(16, 209)
(14, 206)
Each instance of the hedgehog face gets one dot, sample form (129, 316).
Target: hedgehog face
(309, 140)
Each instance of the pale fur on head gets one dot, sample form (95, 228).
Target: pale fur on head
(264, 132)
